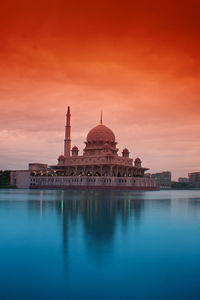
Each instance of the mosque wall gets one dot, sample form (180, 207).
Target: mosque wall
(91, 181)
(23, 179)
(20, 179)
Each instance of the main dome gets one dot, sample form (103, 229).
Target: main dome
(100, 133)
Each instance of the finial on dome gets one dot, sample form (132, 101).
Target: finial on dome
(101, 122)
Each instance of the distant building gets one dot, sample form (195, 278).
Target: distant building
(194, 179)
(183, 180)
(163, 180)
(37, 166)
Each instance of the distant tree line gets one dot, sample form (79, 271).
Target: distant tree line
(4, 179)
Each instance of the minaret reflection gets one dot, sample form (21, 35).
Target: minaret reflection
(41, 202)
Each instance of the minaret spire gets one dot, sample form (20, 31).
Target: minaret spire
(101, 122)
(67, 141)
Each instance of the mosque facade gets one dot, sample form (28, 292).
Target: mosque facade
(100, 165)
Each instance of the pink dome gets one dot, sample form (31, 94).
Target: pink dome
(100, 133)
(109, 153)
(75, 148)
(61, 157)
(106, 146)
(125, 150)
(138, 160)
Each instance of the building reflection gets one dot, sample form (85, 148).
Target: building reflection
(94, 219)
(96, 214)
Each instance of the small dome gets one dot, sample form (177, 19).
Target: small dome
(138, 160)
(109, 153)
(125, 150)
(74, 148)
(100, 133)
(106, 146)
(61, 157)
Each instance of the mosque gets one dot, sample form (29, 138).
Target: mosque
(100, 166)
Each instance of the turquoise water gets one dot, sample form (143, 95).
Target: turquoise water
(99, 245)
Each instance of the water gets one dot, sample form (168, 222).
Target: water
(99, 245)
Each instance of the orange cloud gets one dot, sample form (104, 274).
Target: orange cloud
(136, 61)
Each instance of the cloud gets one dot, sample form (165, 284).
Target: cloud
(137, 61)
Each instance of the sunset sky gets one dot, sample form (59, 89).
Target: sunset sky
(136, 61)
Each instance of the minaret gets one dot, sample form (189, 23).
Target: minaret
(67, 141)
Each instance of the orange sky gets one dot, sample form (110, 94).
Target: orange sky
(138, 62)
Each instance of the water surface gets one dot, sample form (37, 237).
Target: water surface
(99, 244)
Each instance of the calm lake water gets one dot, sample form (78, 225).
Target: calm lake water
(99, 245)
